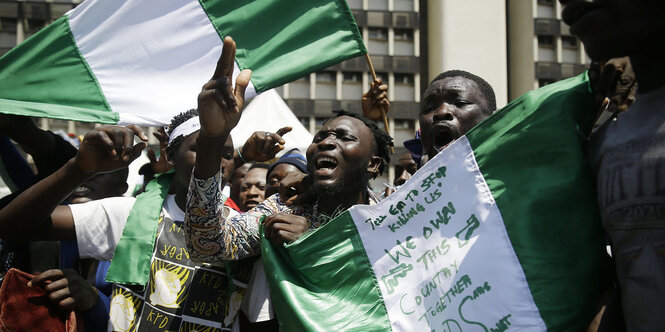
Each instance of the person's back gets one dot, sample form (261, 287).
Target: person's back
(628, 152)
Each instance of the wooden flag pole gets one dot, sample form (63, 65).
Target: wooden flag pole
(383, 113)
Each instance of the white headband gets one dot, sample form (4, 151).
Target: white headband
(185, 128)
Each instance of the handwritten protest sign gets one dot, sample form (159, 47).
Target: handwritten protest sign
(441, 254)
(499, 231)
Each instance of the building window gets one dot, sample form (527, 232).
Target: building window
(378, 34)
(7, 24)
(325, 85)
(325, 77)
(404, 87)
(377, 4)
(378, 41)
(404, 35)
(569, 41)
(403, 5)
(546, 41)
(8, 10)
(570, 49)
(404, 79)
(546, 49)
(546, 9)
(403, 42)
(299, 89)
(404, 130)
(352, 85)
(353, 77)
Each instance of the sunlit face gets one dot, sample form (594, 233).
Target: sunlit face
(450, 107)
(340, 156)
(252, 189)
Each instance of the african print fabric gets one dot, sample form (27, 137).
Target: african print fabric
(181, 295)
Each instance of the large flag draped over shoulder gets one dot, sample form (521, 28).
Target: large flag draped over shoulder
(498, 231)
(144, 61)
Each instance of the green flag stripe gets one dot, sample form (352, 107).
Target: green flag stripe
(39, 69)
(291, 37)
(328, 267)
(55, 111)
(131, 258)
(549, 209)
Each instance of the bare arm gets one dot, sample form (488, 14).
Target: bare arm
(35, 214)
(36, 142)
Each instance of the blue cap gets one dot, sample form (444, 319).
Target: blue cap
(293, 157)
(415, 146)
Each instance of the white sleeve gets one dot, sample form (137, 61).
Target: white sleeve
(99, 225)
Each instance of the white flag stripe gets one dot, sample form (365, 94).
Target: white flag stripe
(452, 268)
(129, 46)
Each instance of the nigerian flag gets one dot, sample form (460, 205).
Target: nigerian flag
(500, 231)
(144, 61)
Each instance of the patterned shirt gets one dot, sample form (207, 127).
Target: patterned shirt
(213, 236)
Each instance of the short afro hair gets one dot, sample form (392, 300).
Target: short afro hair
(176, 121)
(485, 88)
(381, 138)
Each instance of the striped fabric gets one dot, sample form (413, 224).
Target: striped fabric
(144, 61)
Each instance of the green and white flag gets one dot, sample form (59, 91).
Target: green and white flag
(500, 231)
(144, 61)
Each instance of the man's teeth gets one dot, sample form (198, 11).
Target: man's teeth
(326, 162)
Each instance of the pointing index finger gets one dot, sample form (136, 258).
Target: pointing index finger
(284, 130)
(225, 62)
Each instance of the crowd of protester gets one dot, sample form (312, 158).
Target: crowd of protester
(67, 216)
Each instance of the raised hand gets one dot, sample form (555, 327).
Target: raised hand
(67, 289)
(220, 106)
(263, 146)
(284, 227)
(375, 101)
(615, 80)
(160, 165)
(108, 148)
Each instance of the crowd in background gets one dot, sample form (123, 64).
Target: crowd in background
(67, 214)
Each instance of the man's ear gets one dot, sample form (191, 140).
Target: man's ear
(374, 166)
(169, 155)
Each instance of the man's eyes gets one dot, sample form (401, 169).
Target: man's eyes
(228, 156)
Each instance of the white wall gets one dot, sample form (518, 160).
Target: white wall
(469, 35)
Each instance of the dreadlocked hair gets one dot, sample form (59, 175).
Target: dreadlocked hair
(382, 140)
(176, 121)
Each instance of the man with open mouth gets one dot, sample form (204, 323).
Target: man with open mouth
(454, 102)
(344, 155)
